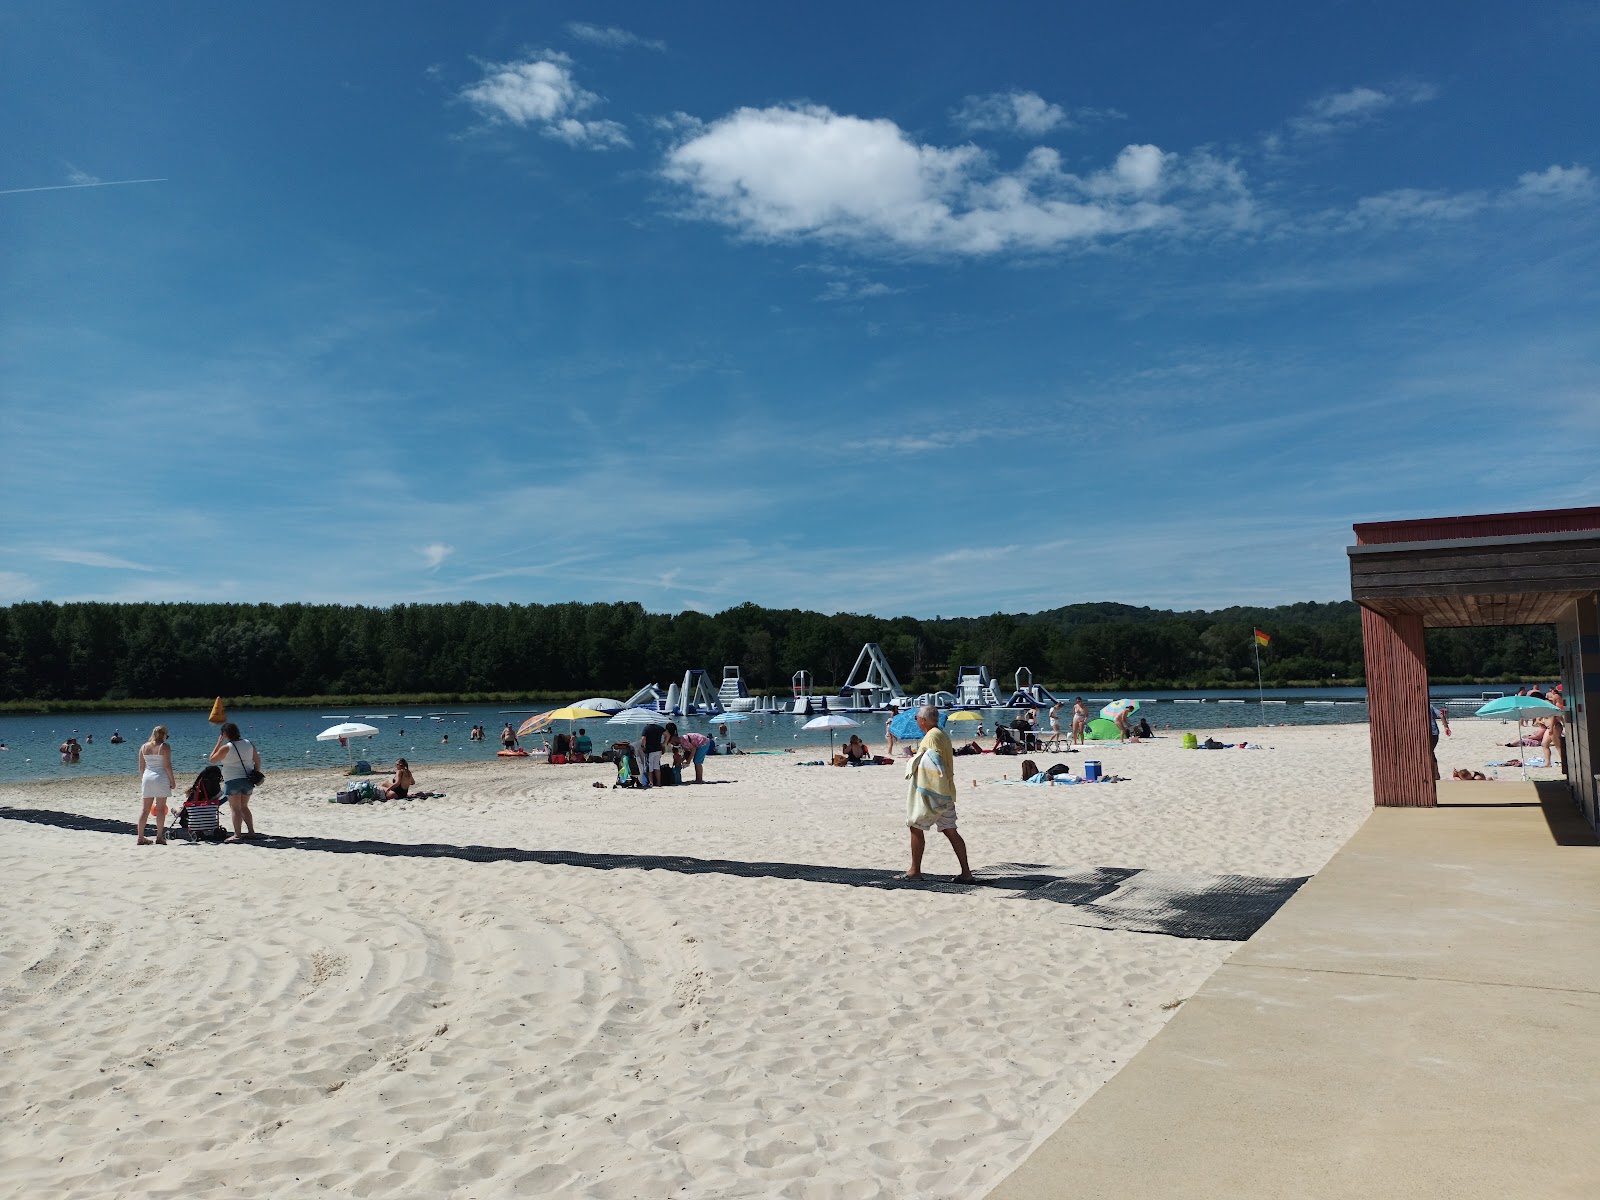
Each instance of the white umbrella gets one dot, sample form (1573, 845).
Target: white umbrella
(601, 704)
(635, 716)
(830, 722)
(343, 733)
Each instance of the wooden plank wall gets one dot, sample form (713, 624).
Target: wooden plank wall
(1397, 709)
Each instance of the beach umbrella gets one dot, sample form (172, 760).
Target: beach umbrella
(343, 733)
(830, 722)
(1520, 707)
(635, 716)
(965, 715)
(905, 726)
(543, 721)
(1110, 711)
(602, 704)
(1523, 708)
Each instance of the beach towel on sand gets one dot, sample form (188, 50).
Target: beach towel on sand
(930, 775)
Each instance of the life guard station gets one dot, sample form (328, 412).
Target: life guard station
(872, 683)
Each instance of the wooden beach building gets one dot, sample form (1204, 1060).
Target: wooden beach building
(1530, 568)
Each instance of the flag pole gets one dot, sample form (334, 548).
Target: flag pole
(1261, 695)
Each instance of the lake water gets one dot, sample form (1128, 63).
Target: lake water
(287, 737)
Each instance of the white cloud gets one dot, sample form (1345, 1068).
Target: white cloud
(1405, 205)
(793, 172)
(434, 553)
(93, 558)
(612, 38)
(1027, 114)
(16, 586)
(1420, 206)
(542, 92)
(1334, 112)
(1556, 183)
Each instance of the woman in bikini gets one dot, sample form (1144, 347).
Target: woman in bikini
(1080, 720)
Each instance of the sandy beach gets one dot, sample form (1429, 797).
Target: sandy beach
(382, 1011)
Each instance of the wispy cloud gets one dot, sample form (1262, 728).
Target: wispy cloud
(1556, 183)
(808, 172)
(77, 183)
(1419, 206)
(16, 586)
(434, 554)
(1335, 112)
(542, 92)
(1024, 114)
(611, 37)
(93, 558)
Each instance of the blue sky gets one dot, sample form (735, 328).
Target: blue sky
(931, 308)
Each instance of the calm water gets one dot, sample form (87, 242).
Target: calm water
(286, 737)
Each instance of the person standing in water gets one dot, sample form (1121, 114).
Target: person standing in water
(156, 784)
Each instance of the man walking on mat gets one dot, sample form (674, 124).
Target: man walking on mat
(931, 795)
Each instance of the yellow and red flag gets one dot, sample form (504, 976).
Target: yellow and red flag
(1262, 639)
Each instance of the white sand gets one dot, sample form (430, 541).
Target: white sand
(241, 1021)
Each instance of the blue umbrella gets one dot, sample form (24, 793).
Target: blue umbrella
(905, 725)
(1516, 706)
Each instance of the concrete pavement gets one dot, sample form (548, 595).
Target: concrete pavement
(1421, 1020)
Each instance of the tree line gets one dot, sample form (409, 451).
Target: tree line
(95, 651)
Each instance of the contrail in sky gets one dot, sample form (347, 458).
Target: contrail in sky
(61, 187)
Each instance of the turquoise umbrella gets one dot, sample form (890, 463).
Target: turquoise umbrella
(1517, 706)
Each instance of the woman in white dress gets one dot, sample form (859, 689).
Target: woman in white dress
(155, 783)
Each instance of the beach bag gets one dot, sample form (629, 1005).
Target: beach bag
(1190, 742)
(252, 775)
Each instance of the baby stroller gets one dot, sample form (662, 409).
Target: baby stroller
(202, 807)
(627, 765)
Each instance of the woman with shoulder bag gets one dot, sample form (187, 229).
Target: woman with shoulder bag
(241, 771)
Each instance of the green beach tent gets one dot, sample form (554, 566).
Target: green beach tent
(1102, 730)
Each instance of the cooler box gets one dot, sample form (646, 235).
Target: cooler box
(1091, 769)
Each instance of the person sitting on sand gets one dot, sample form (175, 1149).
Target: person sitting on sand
(583, 745)
(1144, 730)
(1004, 743)
(856, 752)
(404, 781)
(562, 746)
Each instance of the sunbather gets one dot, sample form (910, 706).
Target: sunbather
(404, 781)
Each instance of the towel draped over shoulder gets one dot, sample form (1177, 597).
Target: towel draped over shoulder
(931, 778)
